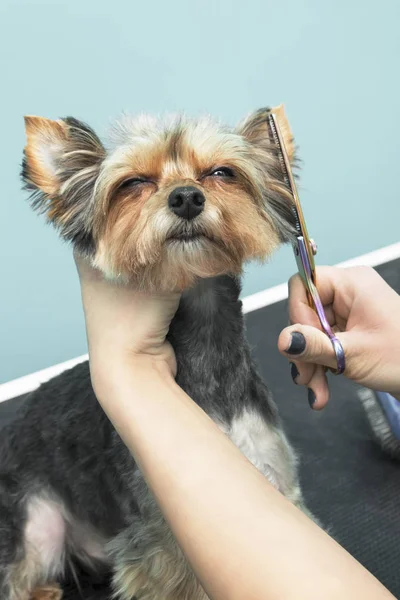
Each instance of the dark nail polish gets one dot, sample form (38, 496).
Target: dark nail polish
(294, 371)
(297, 343)
(311, 398)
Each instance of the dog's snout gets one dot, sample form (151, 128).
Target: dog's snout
(186, 202)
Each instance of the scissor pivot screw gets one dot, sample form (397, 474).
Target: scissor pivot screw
(313, 247)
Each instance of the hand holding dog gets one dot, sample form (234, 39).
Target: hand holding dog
(124, 326)
(365, 312)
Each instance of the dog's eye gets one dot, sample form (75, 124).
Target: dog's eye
(222, 172)
(132, 182)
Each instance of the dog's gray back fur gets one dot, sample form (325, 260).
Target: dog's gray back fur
(63, 446)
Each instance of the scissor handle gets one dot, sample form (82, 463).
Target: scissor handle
(336, 343)
(308, 277)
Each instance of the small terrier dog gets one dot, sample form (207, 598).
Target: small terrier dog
(170, 204)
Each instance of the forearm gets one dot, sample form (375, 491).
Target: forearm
(241, 536)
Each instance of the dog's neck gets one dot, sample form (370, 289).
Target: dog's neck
(209, 313)
(207, 333)
(209, 296)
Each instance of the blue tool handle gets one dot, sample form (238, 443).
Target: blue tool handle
(391, 408)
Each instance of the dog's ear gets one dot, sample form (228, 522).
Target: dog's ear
(61, 163)
(45, 144)
(255, 129)
(278, 199)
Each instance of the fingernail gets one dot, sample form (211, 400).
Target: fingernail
(311, 398)
(294, 371)
(297, 343)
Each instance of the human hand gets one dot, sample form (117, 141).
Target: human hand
(125, 327)
(365, 314)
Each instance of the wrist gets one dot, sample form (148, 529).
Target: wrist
(115, 371)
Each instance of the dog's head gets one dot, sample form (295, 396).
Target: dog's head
(167, 201)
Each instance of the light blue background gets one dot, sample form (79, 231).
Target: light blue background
(334, 63)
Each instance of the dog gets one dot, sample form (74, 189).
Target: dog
(168, 204)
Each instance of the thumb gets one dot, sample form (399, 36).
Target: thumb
(307, 344)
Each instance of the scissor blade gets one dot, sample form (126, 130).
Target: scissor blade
(284, 168)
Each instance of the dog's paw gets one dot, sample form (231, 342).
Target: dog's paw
(47, 592)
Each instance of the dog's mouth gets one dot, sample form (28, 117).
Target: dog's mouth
(185, 238)
(189, 237)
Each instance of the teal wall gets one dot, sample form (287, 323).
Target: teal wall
(334, 63)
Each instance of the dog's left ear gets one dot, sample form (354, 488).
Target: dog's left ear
(61, 164)
(255, 129)
(278, 200)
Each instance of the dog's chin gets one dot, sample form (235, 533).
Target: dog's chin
(183, 261)
(175, 263)
(186, 259)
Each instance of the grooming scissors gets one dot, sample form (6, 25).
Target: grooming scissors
(304, 248)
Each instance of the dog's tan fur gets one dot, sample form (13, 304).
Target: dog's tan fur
(132, 226)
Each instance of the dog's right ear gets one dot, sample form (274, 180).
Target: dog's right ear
(62, 161)
(46, 142)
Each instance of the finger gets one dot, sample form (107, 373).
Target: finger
(336, 323)
(314, 378)
(79, 262)
(330, 281)
(85, 270)
(318, 389)
(299, 308)
(307, 344)
(301, 372)
(330, 315)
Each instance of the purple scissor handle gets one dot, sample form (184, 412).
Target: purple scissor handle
(307, 274)
(304, 248)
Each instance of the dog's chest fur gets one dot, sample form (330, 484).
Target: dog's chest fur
(214, 363)
(216, 369)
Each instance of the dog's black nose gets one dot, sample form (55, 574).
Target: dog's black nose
(186, 202)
